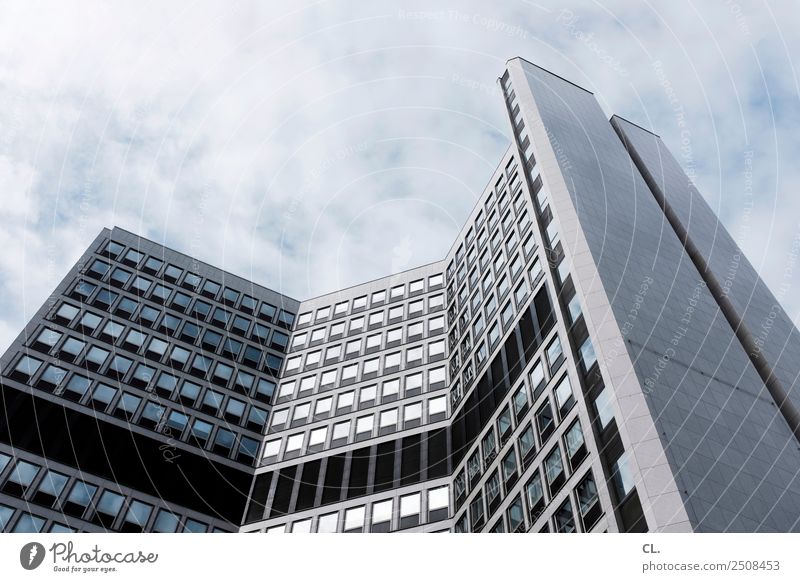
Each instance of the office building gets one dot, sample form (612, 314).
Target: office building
(594, 353)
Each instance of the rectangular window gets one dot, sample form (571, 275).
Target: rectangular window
(354, 519)
(534, 493)
(341, 433)
(364, 426)
(515, 515)
(554, 470)
(412, 415)
(409, 510)
(564, 397)
(382, 516)
(554, 353)
(390, 390)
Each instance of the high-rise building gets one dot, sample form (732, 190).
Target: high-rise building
(594, 353)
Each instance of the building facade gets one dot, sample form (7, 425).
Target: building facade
(585, 358)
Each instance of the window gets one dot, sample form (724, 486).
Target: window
(476, 513)
(414, 355)
(333, 353)
(294, 444)
(588, 357)
(323, 408)
(222, 374)
(520, 402)
(327, 379)
(564, 398)
(527, 444)
(212, 401)
(544, 421)
(588, 502)
(265, 389)
(267, 311)
(22, 476)
(50, 488)
(391, 362)
(316, 439)
(341, 432)
(356, 324)
(388, 421)
(27, 366)
(494, 335)
(313, 358)
(576, 449)
(77, 387)
(322, 313)
(354, 519)
(412, 414)
(364, 426)
(113, 249)
(415, 330)
(371, 366)
(554, 470)
(487, 282)
(563, 518)
(509, 467)
(286, 389)
(166, 522)
(349, 373)
(489, 447)
(515, 515)
(52, 376)
(521, 292)
(367, 396)
(393, 336)
(376, 318)
(435, 302)
(152, 414)
(437, 378)
(110, 503)
(537, 379)
(390, 390)
(554, 353)
(382, 516)
(328, 523)
(201, 309)
(409, 510)
(354, 347)
(491, 305)
(437, 408)
(507, 314)
(234, 410)
(81, 495)
(534, 493)
(28, 523)
(271, 449)
(89, 322)
(103, 395)
(345, 402)
(436, 349)
(603, 407)
(127, 405)
(413, 384)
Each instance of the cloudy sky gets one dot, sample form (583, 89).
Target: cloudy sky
(315, 145)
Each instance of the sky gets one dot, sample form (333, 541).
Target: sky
(310, 146)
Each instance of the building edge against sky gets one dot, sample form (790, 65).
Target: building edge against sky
(594, 353)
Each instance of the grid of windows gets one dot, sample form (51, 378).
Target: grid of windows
(367, 374)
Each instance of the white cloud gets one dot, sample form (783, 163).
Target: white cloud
(315, 145)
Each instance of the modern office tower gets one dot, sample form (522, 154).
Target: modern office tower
(594, 353)
(136, 398)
